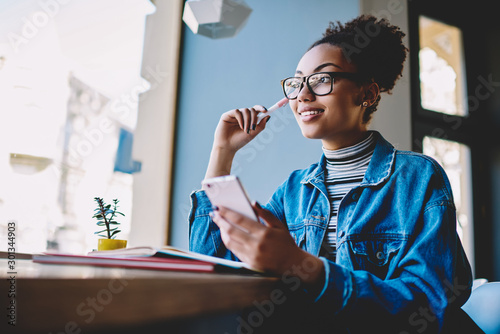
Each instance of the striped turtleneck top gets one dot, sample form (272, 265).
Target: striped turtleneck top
(345, 169)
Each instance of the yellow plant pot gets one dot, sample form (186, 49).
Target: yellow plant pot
(110, 244)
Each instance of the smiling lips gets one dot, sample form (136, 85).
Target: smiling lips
(310, 112)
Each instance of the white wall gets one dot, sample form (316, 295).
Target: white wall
(393, 116)
(154, 135)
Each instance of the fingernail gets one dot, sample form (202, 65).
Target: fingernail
(267, 120)
(248, 130)
(215, 207)
(257, 204)
(254, 126)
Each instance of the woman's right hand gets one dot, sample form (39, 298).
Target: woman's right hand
(236, 128)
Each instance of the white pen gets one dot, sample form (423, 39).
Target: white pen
(280, 104)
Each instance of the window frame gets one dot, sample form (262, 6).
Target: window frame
(468, 130)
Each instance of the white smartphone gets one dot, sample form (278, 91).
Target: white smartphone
(227, 191)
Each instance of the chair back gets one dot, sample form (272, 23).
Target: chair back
(483, 306)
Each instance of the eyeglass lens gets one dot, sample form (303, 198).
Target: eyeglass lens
(319, 84)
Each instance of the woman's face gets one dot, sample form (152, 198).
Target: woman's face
(337, 117)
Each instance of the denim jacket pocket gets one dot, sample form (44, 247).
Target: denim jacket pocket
(373, 253)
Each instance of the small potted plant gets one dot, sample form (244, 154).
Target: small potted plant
(106, 215)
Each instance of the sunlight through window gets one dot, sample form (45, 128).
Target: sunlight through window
(69, 83)
(442, 75)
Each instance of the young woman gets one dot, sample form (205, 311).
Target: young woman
(368, 231)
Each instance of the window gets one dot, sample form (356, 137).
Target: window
(442, 74)
(70, 80)
(441, 117)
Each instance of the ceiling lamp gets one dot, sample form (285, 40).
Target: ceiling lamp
(216, 18)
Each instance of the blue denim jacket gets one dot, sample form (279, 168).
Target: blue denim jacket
(399, 259)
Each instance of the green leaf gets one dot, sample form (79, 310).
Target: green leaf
(115, 233)
(97, 215)
(101, 223)
(100, 231)
(114, 222)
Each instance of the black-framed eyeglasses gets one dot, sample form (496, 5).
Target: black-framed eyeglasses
(320, 83)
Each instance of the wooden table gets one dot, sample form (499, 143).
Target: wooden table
(85, 299)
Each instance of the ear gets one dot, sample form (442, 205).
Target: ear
(372, 91)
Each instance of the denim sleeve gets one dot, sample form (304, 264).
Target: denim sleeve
(204, 234)
(431, 278)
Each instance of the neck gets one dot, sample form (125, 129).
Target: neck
(345, 140)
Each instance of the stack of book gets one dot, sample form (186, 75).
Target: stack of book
(165, 258)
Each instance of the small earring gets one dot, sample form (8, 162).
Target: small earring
(365, 104)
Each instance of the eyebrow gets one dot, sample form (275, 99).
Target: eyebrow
(321, 67)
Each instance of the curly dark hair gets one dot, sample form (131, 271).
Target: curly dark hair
(374, 46)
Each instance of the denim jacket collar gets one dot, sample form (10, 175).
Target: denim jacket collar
(378, 170)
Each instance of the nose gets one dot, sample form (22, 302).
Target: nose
(305, 93)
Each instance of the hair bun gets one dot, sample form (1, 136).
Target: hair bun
(373, 45)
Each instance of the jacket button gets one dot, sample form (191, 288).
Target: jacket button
(379, 255)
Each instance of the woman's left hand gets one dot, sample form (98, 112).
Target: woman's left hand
(268, 247)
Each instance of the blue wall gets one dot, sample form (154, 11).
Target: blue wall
(219, 75)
